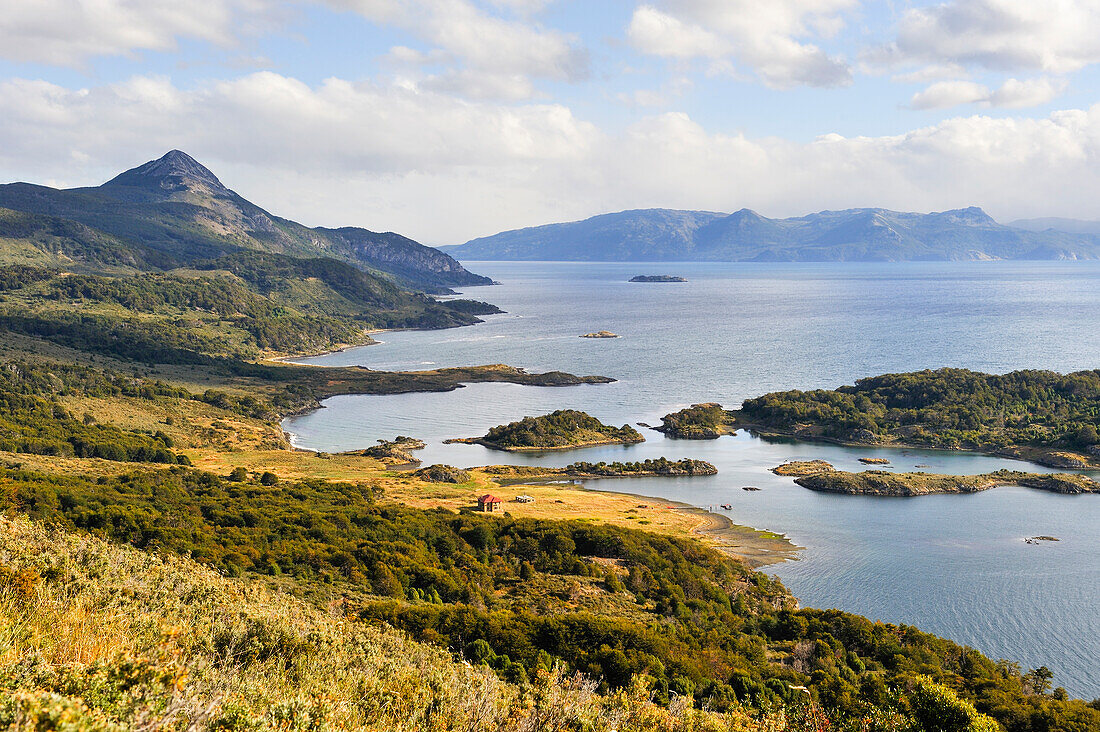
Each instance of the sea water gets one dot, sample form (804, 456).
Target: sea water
(955, 565)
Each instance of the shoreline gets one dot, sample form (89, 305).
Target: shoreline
(340, 348)
(766, 432)
(493, 446)
(756, 547)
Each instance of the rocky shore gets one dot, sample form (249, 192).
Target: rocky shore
(659, 468)
(396, 451)
(881, 483)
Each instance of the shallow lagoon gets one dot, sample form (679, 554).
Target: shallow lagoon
(954, 565)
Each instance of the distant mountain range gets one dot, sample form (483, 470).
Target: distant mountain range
(867, 234)
(173, 211)
(1072, 226)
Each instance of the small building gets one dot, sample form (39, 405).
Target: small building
(525, 499)
(488, 503)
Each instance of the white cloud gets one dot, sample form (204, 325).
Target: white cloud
(1028, 93)
(339, 126)
(69, 31)
(936, 72)
(949, 94)
(761, 35)
(1013, 93)
(661, 34)
(444, 170)
(1052, 36)
(476, 43)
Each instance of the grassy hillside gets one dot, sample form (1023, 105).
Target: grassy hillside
(95, 636)
(235, 307)
(517, 597)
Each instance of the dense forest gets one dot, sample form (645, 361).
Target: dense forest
(522, 594)
(33, 421)
(562, 428)
(946, 408)
(237, 306)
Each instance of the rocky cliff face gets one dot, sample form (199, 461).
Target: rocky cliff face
(404, 257)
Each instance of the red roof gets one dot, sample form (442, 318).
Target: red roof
(488, 498)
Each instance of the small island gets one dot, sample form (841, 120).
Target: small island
(706, 421)
(601, 334)
(796, 468)
(659, 468)
(565, 429)
(818, 475)
(396, 451)
(657, 278)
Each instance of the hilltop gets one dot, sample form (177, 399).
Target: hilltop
(852, 235)
(174, 211)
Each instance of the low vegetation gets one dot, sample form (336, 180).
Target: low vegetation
(520, 596)
(882, 483)
(96, 637)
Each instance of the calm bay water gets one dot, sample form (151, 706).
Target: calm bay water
(953, 565)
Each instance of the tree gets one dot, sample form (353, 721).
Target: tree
(937, 708)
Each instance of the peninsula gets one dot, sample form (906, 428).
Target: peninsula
(565, 429)
(657, 278)
(1041, 416)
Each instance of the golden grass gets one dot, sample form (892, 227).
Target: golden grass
(96, 636)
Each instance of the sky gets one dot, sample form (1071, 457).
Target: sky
(446, 120)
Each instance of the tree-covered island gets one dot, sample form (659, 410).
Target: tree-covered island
(564, 429)
(1042, 416)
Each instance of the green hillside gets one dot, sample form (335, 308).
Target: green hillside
(173, 211)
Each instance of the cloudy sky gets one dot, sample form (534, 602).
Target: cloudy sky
(449, 119)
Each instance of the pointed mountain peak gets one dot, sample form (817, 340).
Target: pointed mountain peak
(174, 170)
(972, 216)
